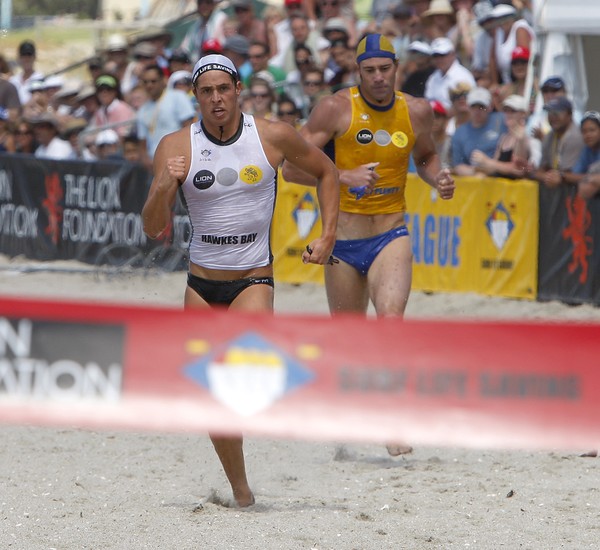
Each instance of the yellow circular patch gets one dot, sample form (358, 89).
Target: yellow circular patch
(251, 174)
(400, 139)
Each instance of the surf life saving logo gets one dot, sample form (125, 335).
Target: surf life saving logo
(500, 225)
(248, 374)
(305, 215)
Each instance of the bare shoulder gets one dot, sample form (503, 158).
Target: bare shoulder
(176, 143)
(331, 115)
(419, 109)
(274, 131)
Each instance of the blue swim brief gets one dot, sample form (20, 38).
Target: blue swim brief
(361, 253)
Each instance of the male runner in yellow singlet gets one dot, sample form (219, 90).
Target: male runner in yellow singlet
(370, 131)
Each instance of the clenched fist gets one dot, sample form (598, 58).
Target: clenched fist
(176, 167)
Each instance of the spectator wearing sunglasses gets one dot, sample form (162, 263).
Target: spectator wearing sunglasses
(258, 55)
(262, 98)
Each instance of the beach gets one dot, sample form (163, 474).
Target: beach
(72, 489)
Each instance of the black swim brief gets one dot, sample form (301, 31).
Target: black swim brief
(222, 293)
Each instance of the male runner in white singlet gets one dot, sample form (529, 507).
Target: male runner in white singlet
(226, 166)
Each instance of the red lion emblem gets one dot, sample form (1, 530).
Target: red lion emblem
(579, 222)
(54, 194)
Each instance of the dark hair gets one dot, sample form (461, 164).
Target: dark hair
(265, 46)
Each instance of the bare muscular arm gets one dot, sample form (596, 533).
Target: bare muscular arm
(284, 143)
(171, 164)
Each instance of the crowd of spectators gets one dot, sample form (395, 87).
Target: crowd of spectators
(472, 59)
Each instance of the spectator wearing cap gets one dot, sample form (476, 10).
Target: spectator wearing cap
(86, 103)
(258, 55)
(250, 26)
(551, 88)
(51, 146)
(236, 48)
(7, 136)
(210, 24)
(26, 57)
(448, 72)
(39, 103)
(113, 110)
(561, 147)
(514, 152)
(510, 32)
(439, 135)
(180, 60)
(167, 110)
(482, 133)
(418, 68)
(64, 100)
(518, 73)
(108, 145)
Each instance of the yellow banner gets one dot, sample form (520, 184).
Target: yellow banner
(484, 240)
(296, 222)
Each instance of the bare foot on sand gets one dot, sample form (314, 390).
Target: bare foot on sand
(397, 449)
(243, 499)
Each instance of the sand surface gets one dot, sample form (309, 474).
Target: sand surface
(74, 489)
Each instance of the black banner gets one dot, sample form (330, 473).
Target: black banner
(86, 211)
(569, 250)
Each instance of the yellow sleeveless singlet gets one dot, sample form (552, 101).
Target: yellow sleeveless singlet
(376, 136)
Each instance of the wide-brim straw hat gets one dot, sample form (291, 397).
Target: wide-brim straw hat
(439, 7)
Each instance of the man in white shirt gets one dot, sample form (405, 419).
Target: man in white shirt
(21, 80)
(449, 72)
(45, 129)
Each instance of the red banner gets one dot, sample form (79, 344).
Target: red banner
(473, 384)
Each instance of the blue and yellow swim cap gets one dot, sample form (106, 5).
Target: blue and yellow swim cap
(374, 45)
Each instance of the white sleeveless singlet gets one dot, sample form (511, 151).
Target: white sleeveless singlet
(230, 195)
